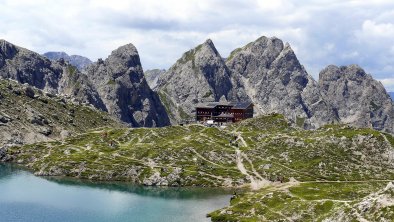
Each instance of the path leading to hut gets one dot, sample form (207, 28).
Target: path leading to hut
(256, 181)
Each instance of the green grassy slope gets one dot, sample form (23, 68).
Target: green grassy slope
(326, 173)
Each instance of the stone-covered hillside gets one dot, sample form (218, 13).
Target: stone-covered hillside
(29, 115)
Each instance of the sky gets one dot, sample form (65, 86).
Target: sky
(321, 32)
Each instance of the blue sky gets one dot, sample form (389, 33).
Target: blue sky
(321, 32)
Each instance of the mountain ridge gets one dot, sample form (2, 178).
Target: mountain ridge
(265, 71)
(76, 60)
(60, 77)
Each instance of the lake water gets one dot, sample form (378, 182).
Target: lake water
(25, 197)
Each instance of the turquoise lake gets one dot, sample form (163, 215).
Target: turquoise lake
(25, 197)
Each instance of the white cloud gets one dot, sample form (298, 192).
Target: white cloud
(388, 83)
(321, 32)
(375, 30)
(350, 55)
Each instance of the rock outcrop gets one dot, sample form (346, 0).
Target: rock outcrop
(29, 115)
(357, 98)
(200, 75)
(152, 76)
(275, 81)
(76, 60)
(28, 67)
(55, 77)
(120, 83)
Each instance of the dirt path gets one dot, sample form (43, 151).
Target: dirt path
(256, 181)
(200, 156)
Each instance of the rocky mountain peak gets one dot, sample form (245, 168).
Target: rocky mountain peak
(76, 60)
(275, 81)
(56, 55)
(209, 42)
(357, 98)
(126, 53)
(200, 75)
(260, 53)
(122, 59)
(208, 45)
(204, 51)
(351, 72)
(120, 82)
(7, 49)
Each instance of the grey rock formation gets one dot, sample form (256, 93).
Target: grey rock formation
(200, 75)
(57, 77)
(28, 67)
(3, 152)
(29, 115)
(120, 83)
(275, 81)
(152, 76)
(357, 98)
(76, 60)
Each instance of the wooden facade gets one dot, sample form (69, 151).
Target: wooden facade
(224, 112)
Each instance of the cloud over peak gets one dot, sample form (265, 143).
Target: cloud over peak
(321, 32)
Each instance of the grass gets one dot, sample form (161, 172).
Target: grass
(233, 53)
(330, 153)
(71, 69)
(208, 94)
(303, 202)
(300, 121)
(336, 166)
(111, 82)
(168, 104)
(190, 56)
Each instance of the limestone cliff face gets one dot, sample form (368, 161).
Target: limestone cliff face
(357, 98)
(275, 81)
(200, 75)
(120, 83)
(57, 77)
(152, 76)
(28, 67)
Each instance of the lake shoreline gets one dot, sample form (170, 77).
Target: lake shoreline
(167, 197)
